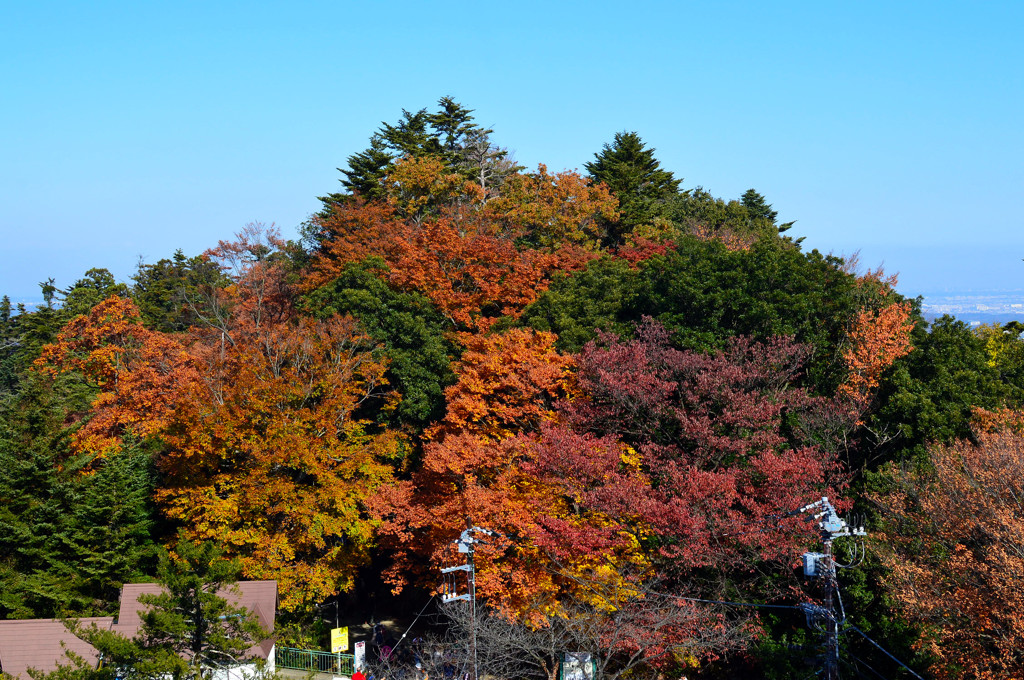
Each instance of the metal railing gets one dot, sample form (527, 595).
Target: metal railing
(313, 660)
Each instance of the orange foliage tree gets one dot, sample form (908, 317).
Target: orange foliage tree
(472, 274)
(139, 373)
(876, 340)
(472, 279)
(953, 543)
(507, 383)
(264, 419)
(276, 462)
(478, 466)
(353, 231)
(277, 456)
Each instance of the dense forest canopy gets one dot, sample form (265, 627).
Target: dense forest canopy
(631, 381)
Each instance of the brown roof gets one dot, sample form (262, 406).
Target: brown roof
(259, 597)
(40, 643)
(36, 643)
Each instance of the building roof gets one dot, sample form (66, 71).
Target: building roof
(41, 643)
(259, 597)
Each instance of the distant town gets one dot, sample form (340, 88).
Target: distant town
(975, 308)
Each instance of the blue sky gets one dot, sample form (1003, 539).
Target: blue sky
(132, 129)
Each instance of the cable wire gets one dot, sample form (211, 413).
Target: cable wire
(863, 663)
(413, 622)
(884, 651)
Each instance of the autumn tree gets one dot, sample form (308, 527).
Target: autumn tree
(505, 385)
(279, 450)
(930, 394)
(551, 209)
(274, 461)
(471, 276)
(953, 541)
(139, 374)
(351, 232)
(264, 420)
(661, 462)
(422, 186)
(876, 340)
(710, 445)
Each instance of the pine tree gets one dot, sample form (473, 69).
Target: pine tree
(190, 624)
(189, 631)
(636, 177)
(448, 133)
(70, 540)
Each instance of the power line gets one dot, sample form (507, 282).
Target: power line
(863, 663)
(831, 526)
(883, 650)
(414, 622)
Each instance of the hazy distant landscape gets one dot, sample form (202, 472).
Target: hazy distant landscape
(975, 307)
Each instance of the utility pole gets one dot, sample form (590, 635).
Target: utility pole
(823, 566)
(466, 544)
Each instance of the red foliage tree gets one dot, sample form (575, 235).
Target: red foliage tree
(711, 445)
(664, 461)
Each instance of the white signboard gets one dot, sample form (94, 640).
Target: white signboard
(577, 666)
(359, 658)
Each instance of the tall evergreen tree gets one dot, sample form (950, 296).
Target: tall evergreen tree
(448, 133)
(761, 213)
(636, 178)
(757, 206)
(189, 631)
(173, 294)
(95, 286)
(70, 540)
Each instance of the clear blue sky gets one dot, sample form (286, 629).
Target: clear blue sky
(132, 129)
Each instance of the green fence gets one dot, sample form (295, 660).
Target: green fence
(313, 660)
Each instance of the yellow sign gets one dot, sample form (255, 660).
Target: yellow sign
(339, 640)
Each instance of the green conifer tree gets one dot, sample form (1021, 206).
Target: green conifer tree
(636, 177)
(189, 631)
